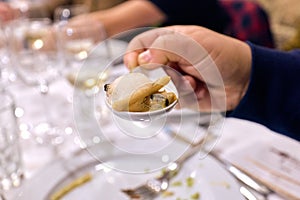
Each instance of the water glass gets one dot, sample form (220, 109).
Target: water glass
(10, 155)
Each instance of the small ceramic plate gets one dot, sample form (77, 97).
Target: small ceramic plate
(149, 115)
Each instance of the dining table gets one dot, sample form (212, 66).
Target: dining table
(64, 165)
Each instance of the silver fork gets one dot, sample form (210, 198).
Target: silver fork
(154, 187)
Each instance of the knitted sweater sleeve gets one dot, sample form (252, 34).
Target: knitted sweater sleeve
(273, 96)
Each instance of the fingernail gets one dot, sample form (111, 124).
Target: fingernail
(131, 66)
(145, 57)
(130, 62)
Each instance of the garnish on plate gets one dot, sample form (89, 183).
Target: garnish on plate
(176, 184)
(167, 193)
(195, 196)
(190, 181)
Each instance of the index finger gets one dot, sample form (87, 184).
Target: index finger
(140, 44)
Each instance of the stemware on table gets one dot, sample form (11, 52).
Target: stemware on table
(34, 51)
(10, 153)
(35, 59)
(84, 50)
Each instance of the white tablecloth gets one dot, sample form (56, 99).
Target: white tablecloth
(233, 144)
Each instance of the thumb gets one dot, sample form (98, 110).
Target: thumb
(155, 56)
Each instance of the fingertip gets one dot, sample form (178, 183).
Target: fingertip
(130, 60)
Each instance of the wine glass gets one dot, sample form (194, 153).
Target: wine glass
(35, 59)
(84, 53)
(83, 46)
(34, 51)
(11, 171)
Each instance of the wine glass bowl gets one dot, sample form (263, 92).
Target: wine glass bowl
(79, 45)
(34, 51)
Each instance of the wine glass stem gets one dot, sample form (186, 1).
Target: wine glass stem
(44, 89)
(52, 132)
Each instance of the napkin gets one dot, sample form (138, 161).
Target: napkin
(269, 157)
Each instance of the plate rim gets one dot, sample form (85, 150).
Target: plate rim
(29, 187)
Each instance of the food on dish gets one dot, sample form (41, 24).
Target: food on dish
(135, 92)
(190, 182)
(195, 196)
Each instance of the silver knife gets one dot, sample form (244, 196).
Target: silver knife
(234, 171)
(243, 177)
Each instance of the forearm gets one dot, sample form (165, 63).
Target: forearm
(273, 96)
(44, 9)
(128, 15)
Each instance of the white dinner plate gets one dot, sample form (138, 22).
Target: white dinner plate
(210, 180)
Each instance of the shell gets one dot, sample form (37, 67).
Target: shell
(132, 92)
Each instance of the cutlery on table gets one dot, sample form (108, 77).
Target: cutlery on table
(156, 186)
(250, 188)
(242, 177)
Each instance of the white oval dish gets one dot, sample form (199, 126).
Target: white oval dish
(149, 115)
